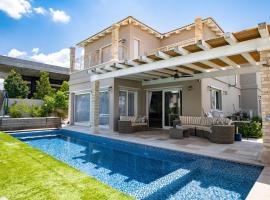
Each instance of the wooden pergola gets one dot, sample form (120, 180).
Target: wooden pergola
(229, 54)
(246, 51)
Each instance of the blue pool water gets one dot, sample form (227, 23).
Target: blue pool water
(146, 172)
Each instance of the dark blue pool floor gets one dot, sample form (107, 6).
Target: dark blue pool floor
(150, 173)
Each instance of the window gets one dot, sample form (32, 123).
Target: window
(106, 54)
(136, 46)
(216, 99)
(239, 99)
(82, 108)
(127, 103)
(104, 109)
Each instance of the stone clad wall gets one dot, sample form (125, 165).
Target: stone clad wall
(10, 124)
(265, 79)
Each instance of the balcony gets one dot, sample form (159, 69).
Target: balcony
(99, 57)
(171, 46)
(103, 56)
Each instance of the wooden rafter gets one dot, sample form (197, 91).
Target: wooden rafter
(229, 37)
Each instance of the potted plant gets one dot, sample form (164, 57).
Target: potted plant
(237, 135)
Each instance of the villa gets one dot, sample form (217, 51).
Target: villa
(130, 69)
(151, 116)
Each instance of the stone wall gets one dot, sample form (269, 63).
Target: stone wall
(10, 124)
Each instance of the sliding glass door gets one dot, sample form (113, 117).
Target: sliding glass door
(164, 106)
(82, 109)
(155, 112)
(104, 109)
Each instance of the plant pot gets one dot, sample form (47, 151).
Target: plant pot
(238, 137)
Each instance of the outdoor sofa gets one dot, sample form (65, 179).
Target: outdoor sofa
(131, 124)
(217, 130)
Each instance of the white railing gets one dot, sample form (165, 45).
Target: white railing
(172, 46)
(79, 63)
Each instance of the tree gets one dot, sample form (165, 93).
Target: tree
(64, 87)
(43, 87)
(15, 86)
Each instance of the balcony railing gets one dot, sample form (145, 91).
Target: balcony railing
(99, 57)
(172, 46)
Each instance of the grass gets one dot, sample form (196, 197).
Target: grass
(27, 173)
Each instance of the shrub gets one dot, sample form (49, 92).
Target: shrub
(257, 119)
(64, 87)
(43, 87)
(19, 110)
(48, 106)
(253, 129)
(14, 111)
(36, 111)
(15, 86)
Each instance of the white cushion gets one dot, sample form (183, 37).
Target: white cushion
(189, 126)
(204, 128)
(128, 118)
(139, 124)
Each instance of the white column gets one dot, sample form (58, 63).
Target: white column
(265, 79)
(198, 29)
(71, 108)
(115, 42)
(72, 58)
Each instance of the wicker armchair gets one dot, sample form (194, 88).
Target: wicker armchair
(222, 134)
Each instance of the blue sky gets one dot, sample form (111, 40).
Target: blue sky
(59, 24)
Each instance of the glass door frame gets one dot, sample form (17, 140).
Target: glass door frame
(163, 104)
(164, 90)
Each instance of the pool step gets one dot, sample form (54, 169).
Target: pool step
(37, 137)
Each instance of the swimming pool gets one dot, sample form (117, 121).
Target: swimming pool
(146, 172)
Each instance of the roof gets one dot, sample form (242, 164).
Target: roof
(209, 21)
(31, 67)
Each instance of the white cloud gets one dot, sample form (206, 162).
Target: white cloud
(60, 58)
(35, 50)
(15, 8)
(17, 53)
(40, 10)
(59, 16)
(18, 8)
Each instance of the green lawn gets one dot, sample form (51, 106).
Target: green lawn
(27, 173)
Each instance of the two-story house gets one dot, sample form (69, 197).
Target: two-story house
(130, 43)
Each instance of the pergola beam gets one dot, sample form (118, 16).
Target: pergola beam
(263, 30)
(162, 55)
(214, 53)
(229, 61)
(244, 70)
(144, 59)
(180, 51)
(182, 70)
(195, 67)
(229, 37)
(167, 71)
(203, 45)
(130, 63)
